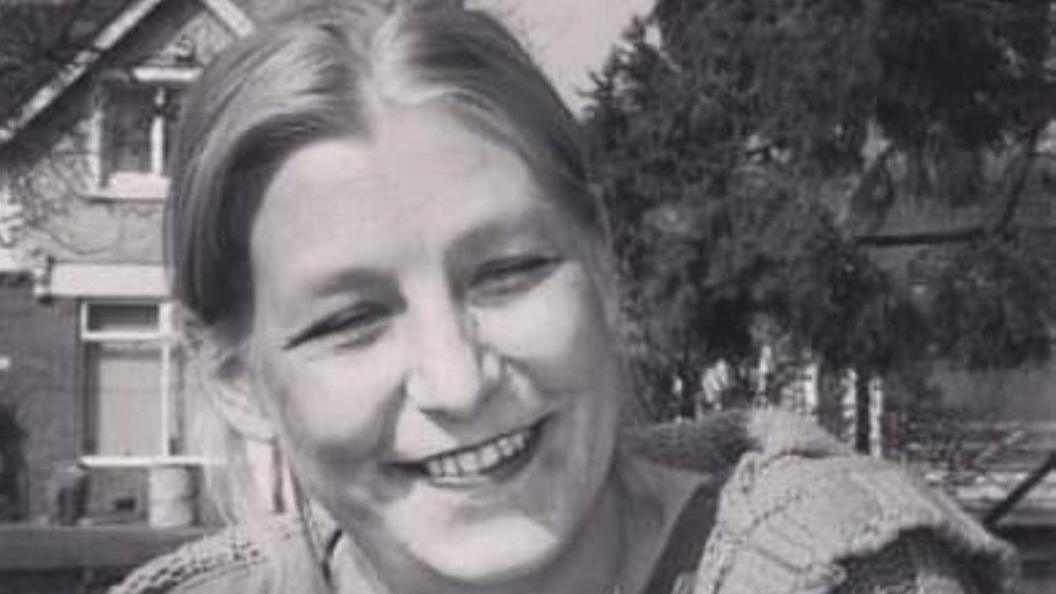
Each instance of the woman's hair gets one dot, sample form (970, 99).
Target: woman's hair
(332, 70)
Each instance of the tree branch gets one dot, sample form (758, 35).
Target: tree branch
(1014, 186)
(1020, 171)
(922, 238)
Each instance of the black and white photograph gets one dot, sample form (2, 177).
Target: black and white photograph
(527, 296)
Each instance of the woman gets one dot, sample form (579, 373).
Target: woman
(382, 229)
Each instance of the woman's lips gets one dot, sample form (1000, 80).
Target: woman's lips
(491, 459)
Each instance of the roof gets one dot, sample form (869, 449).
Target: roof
(47, 47)
(38, 37)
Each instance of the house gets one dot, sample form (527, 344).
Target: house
(91, 372)
(90, 362)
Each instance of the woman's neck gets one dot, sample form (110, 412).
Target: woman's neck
(655, 498)
(622, 540)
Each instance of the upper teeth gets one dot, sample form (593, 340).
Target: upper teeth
(478, 459)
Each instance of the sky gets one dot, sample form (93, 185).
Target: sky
(570, 38)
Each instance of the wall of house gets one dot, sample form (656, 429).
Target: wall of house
(51, 177)
(40, 376)
(51, 162)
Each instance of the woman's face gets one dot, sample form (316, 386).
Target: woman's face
(428, 328)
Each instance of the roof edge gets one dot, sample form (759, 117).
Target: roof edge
(230, 16)
(72, 71)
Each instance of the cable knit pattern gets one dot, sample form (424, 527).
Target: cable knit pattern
(228, 552)
(798, 513)
(793, 510)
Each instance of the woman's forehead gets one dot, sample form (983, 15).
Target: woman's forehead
(414, 159)
(429, 186)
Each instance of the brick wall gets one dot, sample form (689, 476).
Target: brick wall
(39, 374)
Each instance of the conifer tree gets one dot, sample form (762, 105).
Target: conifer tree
(756, 155)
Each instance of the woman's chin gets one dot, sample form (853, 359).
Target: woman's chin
(494, 527)
(507, 534)
(513, 550)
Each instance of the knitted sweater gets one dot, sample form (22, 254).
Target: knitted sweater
(795, 513)
(797, 510)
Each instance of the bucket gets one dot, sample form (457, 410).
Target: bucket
(170, 496)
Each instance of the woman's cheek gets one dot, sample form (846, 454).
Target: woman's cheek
(336, 408)
(558, 329)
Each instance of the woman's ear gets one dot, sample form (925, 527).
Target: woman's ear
(229, 383)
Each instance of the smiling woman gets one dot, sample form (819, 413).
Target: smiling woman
(382, 234)
(401, 345)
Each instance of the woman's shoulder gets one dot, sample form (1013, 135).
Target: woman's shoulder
(797, 507)
(234, 559)
(807, 517)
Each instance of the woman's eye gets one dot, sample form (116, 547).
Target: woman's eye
(511, 276)
(352, 327)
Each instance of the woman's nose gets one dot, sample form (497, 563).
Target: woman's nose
(455, 373)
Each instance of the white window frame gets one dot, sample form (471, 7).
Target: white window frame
(11, 214)
(130, 185)
(164, 335)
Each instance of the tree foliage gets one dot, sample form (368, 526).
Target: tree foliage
(752, 153)
(38, 38)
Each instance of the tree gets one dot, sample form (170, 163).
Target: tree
(755, 156)
(38, 38)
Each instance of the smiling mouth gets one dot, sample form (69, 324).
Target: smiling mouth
(495, 458)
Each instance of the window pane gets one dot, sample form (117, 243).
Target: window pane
(171, 113)
(124, 399)
(179, 420)
(129, 113)
(122, 317)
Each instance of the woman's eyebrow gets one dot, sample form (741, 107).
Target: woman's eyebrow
(300, 325)
(535, 224)
(342, 281)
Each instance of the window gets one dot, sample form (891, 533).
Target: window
(133, 380)
(11, 219)
(130, 112)
(137, 132)
(133, 131)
